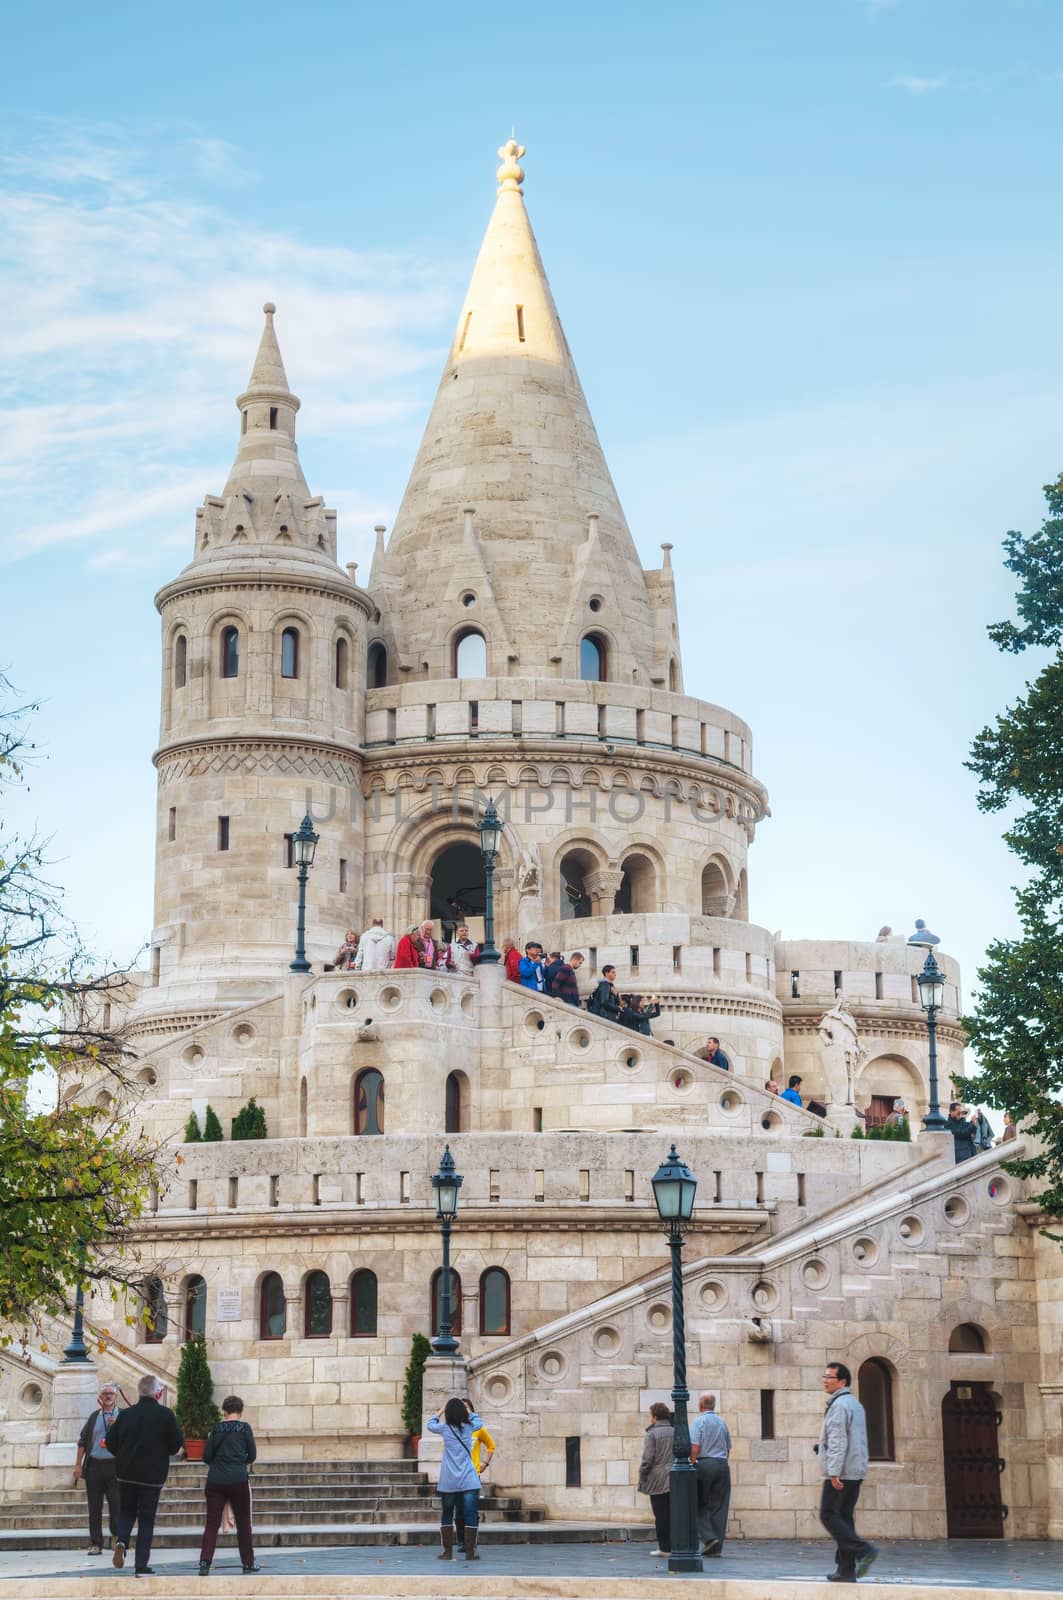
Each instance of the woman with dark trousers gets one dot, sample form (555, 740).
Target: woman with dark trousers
(229, 1452)
(654, 1468)
(458, 1477)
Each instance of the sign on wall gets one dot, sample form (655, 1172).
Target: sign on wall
(228, 1309)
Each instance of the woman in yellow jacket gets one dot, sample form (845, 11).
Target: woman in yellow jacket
(483, 1448)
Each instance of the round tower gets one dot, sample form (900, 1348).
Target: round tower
(520, 649)
(263, 690)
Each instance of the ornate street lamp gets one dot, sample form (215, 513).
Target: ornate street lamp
(931, 983)
(446, 1184)
(304, 843)
(674, 1187)
(77, 1350)
(489, 828)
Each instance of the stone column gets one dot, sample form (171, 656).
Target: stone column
(74, 1390)
(444, 1376)
(603, 886)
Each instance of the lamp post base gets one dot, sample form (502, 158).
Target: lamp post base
(299, 966)
(683, 1562)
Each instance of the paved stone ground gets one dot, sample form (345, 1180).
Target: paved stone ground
(983, 1564)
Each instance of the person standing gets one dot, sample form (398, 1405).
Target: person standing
(142, 1440)
(843, 1456)
(464, 952)
(429, 949)
(553, 967)
(409, 951)
(792, 1092)
(483, 1448)
(1010, 1129)
(511, 960)
(714, 1055)
(654, 1470)
(376, 949)
(963, 1131)
(710, 1446)
(95, 1465)
(229, 1451)
(346, 957)
(532, 968)
(603, 1000)
(458, 1477)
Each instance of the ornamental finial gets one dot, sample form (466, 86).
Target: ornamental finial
(510, 174)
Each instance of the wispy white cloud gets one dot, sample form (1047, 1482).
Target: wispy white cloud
(139, 313)
(919, 85)
(219, 162)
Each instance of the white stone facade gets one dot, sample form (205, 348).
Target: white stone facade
(287, 687)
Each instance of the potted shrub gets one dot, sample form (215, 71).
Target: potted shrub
(195, 1409)
(413, 1392)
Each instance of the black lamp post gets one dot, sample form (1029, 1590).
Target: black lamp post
(674, 1187)
(304, 843)
(77, 1350)
(446, 1184)
(489, 828)
(931, 983)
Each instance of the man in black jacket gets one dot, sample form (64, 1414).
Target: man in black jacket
(142, 1440)
(603, 1000)
(95, 1465)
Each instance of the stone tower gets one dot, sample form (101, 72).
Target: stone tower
(263, 676)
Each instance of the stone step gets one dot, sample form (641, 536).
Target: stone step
(278, 1509)
(60, 1498)
(272, 1536)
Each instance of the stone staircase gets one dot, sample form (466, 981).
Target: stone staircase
(295, 1502)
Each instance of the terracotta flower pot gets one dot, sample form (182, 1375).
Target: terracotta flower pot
(194, 1449)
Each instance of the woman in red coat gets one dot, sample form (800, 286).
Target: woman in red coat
(409, 950)
(511, 956)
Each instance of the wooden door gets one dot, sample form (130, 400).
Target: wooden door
(969, 1423)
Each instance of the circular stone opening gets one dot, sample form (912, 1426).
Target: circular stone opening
(347, 998)
(438, 999)
(764, 1295)
(579, 1039)
(999, 1189)
(956, 1210)
(194, 1054)
(468, 598)
(770, 1120)
(659, 1317)
(31, 1397)
(534, 1021)
(713, 1295)
(148, 1076)
(595, 602)
(499, 1388)
(682, 1080)
(911, 1230)
(815, 1273)
(606, 1342)
(630, 1059)
(865, 1251)
(391, 997)
(731, 1102)
(243, 1033)
(552, 1364)
(468, 1002)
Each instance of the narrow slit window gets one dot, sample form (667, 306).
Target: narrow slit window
(537, 1119)
(573, 1475)
(234, 1192)
(193, 1193)
(289, 849)
(315, 1189)
(585, 1183)
(760, 1187)
(629, 1183)
(230, 652)
(343, 876)
(878, 986)
(801, 1189)
(272, 417)
(837, 981)
(290, 653)
(633, 950)
(464, 331)
(275, 1190)
(494, 1191)
(404, 1188)
(223, 833)
(342, 663)
(539, 1184)
(677, 958)
(767, 1413)
(171, 832)
(749, 967)
(795, 986)
(520, 323)
(180, 661)
(243, 423)
(716, 959)
(717, 1189)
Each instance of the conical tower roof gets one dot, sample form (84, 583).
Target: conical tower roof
(267, 455)
(511, 437)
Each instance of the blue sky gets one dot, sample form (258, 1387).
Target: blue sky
(808, 258)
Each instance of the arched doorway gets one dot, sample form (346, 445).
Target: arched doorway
(457, 893)
(638, 886)
(575, 900)
(969, 1423)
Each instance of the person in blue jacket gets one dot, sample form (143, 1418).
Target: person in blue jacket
(792, 1092)
(458, 1478)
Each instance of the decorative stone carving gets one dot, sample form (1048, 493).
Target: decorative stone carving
(841, 1052)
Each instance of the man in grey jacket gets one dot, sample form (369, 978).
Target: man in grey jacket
(842, 1451)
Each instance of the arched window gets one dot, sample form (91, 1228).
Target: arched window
(470, 655)
(272, 1308)
(290, 653)
(494, 1301)
(180, 661)
(302, 1108)
(592, 658)
(455, 1300)
(574, 898)
(317, 1306)
(363, 1304)
(874, 1384)
(968, 1340)
(716, 898)
(195, 1307)
(453, 1103)
(342, 657)
(673, 675)
(369, 1102)
(158, 1323)
(638, 887)
(376, 674)
(230, 652)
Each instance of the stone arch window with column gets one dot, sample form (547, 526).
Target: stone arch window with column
(429, 851)
(642, 882)
(717, 888)
(468, 653)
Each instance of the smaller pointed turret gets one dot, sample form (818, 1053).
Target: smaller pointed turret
(267, 459)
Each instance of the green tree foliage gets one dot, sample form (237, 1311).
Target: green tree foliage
(1016, 1028)
(212, 1128)
(195, 1409)
(193, 1133)
(250, 1122)
(413, 1389)
(74, 1176)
